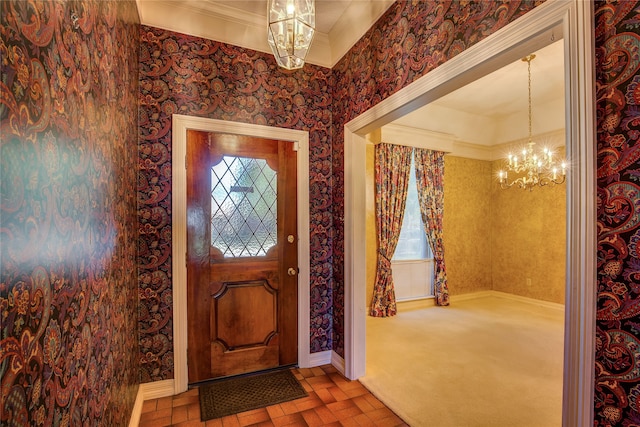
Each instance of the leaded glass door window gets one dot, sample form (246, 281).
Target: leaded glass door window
(243, 207)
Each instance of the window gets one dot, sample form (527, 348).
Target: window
(412, 244)
(412, 263)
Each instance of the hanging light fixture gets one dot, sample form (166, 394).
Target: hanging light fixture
(291, 28)
(533, 167)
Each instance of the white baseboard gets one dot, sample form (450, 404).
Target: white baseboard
(416, 304)
(338, 362)
(157, 389)
(328, 357)
(505, 295)
(146, 391)
(318, 359)
(137, 410)
(472, 295)
(548, 304)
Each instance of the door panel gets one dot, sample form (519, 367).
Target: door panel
(245, 326)
(242, 299)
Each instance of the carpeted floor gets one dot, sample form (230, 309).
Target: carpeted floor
(488, 361)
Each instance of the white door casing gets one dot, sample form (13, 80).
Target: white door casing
(179, 229)
(572, 20)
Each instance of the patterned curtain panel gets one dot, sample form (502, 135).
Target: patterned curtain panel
(393, 164)
(430, 178)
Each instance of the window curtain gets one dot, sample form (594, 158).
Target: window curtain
(392, 168)
(430, 179)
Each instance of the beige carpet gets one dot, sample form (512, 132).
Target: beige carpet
(488, 361)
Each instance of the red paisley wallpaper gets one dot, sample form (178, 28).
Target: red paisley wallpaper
(193, 76)
(69, 224)
(68, 290)
(617, 388)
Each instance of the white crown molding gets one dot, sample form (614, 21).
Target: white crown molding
(418, 138)
(353, 24)
(554, 140)
(432, 140)
(223, 24)
(421, 138)
(139, 10)
(473, 151)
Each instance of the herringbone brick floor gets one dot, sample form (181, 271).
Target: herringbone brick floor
(332, 401)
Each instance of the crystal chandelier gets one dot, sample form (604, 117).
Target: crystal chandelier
(533, 167)
(291, 28)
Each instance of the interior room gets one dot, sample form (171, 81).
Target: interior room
(96, 97)
(505, 258)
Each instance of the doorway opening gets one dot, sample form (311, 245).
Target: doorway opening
(534, 30)
(491, 261)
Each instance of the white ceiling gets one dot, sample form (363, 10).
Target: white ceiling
(491, 110)
(328, 12)
(339, 23)
(505, 91)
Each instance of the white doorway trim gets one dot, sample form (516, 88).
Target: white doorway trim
(179, 229)
(572, 20)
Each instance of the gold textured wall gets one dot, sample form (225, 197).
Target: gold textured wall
(467, 228)
(510, 241)
(529, 241)
(467, 233)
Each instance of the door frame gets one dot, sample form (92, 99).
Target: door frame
(572, 20)
(300, 139)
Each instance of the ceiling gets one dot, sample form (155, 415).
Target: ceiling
(339, 23)
(491, 110)
(328, 12)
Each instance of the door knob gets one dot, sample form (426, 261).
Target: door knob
(291, 271)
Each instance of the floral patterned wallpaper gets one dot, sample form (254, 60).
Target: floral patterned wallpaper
(617, 370)
(68, 289)
(198, 77)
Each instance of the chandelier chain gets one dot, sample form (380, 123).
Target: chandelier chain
(528, 59)
(532, 168)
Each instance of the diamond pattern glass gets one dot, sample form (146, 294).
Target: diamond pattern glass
(243, 207)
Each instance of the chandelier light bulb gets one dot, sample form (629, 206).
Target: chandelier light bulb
(290, 30)
(535, 168)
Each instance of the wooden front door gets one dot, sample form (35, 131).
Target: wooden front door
(242, 264)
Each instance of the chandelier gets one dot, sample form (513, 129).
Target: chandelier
(291, 28)
(532, 167)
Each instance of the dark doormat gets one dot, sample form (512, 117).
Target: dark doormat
(234, 395)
